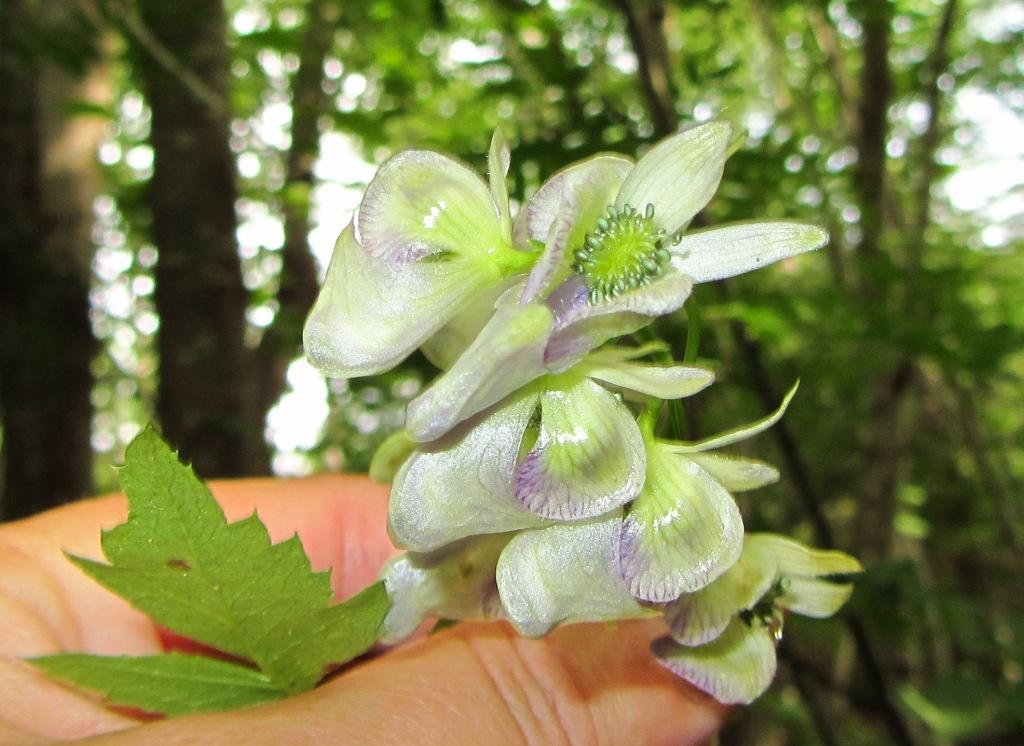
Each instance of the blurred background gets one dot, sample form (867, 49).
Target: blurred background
(173, 176)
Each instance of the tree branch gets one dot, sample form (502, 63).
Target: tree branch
(938, 60)
(136, 28)
(652, 63)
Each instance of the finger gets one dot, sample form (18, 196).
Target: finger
(340, 520)
(480, 683)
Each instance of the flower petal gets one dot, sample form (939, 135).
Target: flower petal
(372, 313)
(593, 184)
(507, 354)
(390, 455)
(735, 473)
(735, 668)
(498, 159)
(582, 326)
(552, 261)
(679, 175)
(422, 203)
(732, 250)
(793, 559)
(661, 381)
(815, 598)
(682, 531)
(734, 436)
(564, 573)
(588, 459)
(445, 347)
(698, 618)
(462, 485)
(454, 584)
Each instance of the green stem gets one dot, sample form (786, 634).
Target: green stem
(692, 331)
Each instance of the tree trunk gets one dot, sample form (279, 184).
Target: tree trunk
(297, 291)
(207, 398)
(47, 184)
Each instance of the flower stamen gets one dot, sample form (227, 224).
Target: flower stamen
(625, 250)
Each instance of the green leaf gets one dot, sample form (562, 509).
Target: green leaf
(172, 684)
(179, 561)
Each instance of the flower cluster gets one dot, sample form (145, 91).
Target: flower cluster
(529, 484)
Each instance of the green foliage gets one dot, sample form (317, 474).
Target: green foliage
(224, 585)
(172, 684)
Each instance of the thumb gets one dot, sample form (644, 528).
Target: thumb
(480, 683)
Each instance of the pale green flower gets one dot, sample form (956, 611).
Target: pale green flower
(564, 447)
(430, 240)
(614, 258)
(724, 636)
(676, 535)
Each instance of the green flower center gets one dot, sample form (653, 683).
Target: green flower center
(625, 250)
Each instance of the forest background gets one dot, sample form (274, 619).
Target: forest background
(173, 176)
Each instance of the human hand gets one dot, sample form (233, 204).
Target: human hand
(472, 683)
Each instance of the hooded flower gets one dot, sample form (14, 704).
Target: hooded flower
(615, 257)
(723, 637)
(430, 240)
(676, 535)
(563, 448)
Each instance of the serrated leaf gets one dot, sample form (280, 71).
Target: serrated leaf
(172, 684)
(178, 560)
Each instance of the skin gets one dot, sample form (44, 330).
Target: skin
(473, 683)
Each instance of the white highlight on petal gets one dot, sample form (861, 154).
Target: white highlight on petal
(731, 250)
(422, 203)
(681, 533)
(589, 456)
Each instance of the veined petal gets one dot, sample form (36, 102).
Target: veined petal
(682, 531)
(679, 175)
(815, 598)
(732, 250)
(371, 313)
(735, 668)
(735, 473)
(422, 203)
(593, 184)
(698, 618)
(462, 485)
(662, 381)
(793, 559)
(589, 456)
(498, 159)
(507, 354)
(734, 436)
(582, 326)
(551, 263)
(455, 584)
(564, 573)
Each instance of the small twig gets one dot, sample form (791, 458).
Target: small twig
(137, 29)
(938, 59)
(654, 74)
